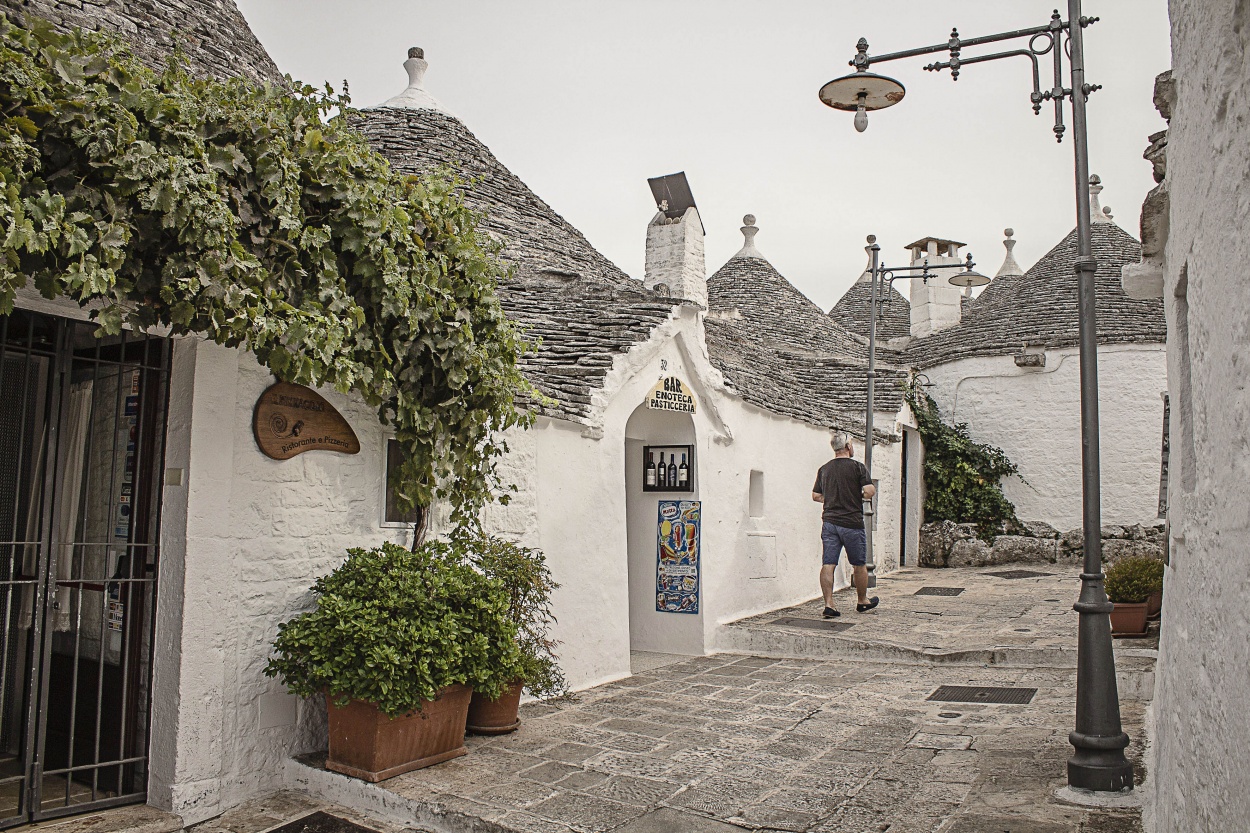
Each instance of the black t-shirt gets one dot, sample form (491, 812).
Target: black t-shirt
(841, 482)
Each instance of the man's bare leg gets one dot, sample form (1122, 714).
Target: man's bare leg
(826, 583)
(860, 582)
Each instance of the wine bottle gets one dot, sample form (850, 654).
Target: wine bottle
(662, 474)
(650, 471)
(683, 474)
(672, 471)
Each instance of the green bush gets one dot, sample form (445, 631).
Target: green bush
(392, 626)
(257, 217)
(1133, 579)
(961, 476)
(527, 581)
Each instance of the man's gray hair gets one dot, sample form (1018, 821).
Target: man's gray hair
(840, 440)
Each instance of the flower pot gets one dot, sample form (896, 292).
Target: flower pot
(495, 717)
(365, 743)
(1128, 619)
(1154, 605)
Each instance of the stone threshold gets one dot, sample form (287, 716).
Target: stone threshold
(134, 818)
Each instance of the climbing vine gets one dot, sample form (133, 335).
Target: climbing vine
(961, 476)
(256, 217)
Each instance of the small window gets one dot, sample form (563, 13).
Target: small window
(755, 500)
(394, 457)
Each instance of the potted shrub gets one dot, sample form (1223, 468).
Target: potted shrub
(396, 643)
(527, 581)
(1154, 602)
(1129, 583)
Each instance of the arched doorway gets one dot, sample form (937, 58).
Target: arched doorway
(650, 629)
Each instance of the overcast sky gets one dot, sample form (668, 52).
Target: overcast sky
(586, 99)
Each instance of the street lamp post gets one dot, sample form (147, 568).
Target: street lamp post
(1098, 762)
(881, 276)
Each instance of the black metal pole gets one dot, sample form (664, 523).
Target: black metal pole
(871, 563)
(1099, 740)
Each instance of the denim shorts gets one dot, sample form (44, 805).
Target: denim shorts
(834, 538)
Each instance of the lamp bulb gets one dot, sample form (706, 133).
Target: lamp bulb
(861, 119)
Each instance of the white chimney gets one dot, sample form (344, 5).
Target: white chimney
(675, 264)
(935, 304)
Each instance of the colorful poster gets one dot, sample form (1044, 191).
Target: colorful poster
(677, 557)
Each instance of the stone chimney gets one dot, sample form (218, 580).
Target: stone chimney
(935, 304)
(675, 264)
(414, 97)
(1010, 268)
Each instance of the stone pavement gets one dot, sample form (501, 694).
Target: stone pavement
(798, 727)
(994, 619)
(723, 743)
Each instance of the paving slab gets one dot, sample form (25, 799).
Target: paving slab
(1027, 622)
(800, 745)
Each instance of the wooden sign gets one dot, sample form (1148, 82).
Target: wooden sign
(291, 419)
(671, 394)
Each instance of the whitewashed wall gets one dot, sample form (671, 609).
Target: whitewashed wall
(245, 536)
(1201, 781)
(243, 539)
(1035, 416)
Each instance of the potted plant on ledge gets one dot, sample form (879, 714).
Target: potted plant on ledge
(1130, 583)
(527, 581)
(398, 641)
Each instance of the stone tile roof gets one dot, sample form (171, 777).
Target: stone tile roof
(1040, 306)
(213, 33)
(893, 312)
(781, 352)
(585, 310)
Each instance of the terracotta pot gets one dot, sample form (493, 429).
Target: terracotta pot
(495, 717)
(1128, 619)
(1154, 605)
(365, 743)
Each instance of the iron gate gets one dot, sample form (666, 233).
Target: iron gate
(82, 423)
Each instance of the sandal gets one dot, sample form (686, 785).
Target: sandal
(864, 608)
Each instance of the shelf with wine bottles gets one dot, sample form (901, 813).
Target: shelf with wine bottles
(668, 468)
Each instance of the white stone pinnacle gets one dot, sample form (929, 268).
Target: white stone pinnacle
(1096, 214)
(1009, 268)
(749, 230)
(415, 97)
(866, 275)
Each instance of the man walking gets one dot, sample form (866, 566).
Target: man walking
(842, 485)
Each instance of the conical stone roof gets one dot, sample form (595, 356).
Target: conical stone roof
(1040, 307)
(582, 307)
(213, 33)
(781, 352)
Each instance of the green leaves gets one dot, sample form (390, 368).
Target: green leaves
(1131, 580)
(393, 626)
(961, 476)
(258, 218)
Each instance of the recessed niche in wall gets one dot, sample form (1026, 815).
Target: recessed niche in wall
(678, 468)
(755, 499)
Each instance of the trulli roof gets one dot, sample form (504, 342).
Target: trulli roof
(1040, 307)
(584, 309)
(781, 352)
(215, 36)
(893, 312)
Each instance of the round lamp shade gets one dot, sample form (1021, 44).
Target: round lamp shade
(878, 92)
(968, 278)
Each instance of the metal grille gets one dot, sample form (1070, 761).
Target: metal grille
(814, 624)
(1020, 574)
(81, 430)
(320, 822)
(983, 694)
(939, 591)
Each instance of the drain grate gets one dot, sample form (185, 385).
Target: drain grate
(982, 694)
(939, 591)
(814, 624)
(1020, 574)
(320, 822)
